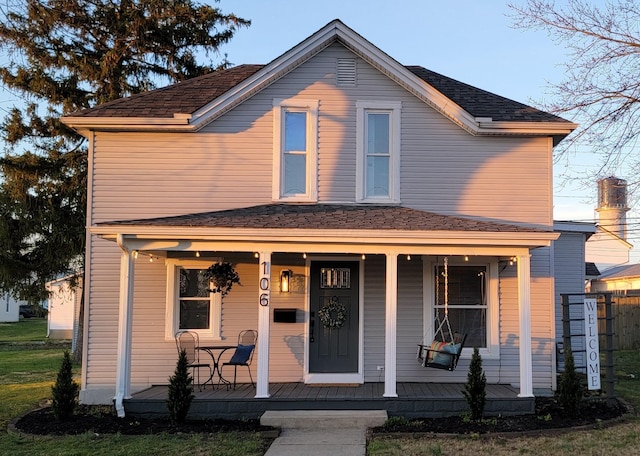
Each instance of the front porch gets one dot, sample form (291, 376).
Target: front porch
(414, 400)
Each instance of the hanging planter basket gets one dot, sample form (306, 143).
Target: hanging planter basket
(222, 275)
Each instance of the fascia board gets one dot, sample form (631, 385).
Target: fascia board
(528, 238)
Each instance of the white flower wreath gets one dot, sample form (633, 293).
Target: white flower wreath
(333, 314)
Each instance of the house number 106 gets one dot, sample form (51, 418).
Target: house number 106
(264, 284)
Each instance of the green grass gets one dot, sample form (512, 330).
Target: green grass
(27, 330)
(28, 367)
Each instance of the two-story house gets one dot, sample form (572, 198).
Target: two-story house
(386, 193)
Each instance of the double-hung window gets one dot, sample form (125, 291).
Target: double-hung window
(378, 151)
(190, 303)
(295, 150)
(467, 294)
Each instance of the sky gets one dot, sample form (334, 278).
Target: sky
(469, 40)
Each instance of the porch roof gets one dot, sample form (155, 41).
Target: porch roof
(303, 225)
(327, 217)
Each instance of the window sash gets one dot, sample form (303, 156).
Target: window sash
(295, 150)
(473, 310)
(190, 305)
(378, 151)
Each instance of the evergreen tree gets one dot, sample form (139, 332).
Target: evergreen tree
(569, 392)
(180, 390)
(65, 391)
(63, 56)
(475, 389)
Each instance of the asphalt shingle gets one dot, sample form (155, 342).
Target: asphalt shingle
(329, 216)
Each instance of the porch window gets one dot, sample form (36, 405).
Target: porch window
(190, 304)
(295, 150)
(472, 295)
(378, 150)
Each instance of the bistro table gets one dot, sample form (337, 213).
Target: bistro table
(216, 351)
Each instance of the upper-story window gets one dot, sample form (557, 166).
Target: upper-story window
(295, 150)
(378, 151)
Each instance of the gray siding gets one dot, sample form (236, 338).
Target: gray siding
(229, 164)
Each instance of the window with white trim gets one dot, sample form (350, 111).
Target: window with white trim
(471, 301)
(190, 303)
(378, 151)
(295, 150)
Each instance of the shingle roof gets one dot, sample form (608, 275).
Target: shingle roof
(189, 96)
(591, 270)
(184, 97)
(618, 272)
(480, 103)
(329, 217)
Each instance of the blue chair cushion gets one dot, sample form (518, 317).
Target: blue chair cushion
(241, 355)
(444, 357)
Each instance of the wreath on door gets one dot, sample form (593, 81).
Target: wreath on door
(333, 314)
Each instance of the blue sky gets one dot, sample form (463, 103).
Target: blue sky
(469, 40)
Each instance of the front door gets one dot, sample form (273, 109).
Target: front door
(333, 317)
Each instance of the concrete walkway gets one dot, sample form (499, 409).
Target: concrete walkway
(321, 432)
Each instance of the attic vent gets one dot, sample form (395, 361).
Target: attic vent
(346, 72)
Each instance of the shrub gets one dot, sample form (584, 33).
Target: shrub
(569, 392)
(180, 390)
(65, 391)
(475, 388)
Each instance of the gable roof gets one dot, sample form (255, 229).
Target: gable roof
(190, 105)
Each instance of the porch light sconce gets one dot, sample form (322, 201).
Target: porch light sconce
(285, 279)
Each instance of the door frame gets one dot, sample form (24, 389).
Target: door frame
(338, 377)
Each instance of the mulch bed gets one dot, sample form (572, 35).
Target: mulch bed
(103, 420)
(548, 416)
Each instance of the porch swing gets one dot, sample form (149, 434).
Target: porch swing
(444, 352)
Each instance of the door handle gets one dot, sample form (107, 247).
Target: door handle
(312, 325)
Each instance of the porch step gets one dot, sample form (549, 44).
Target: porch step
(323, 419)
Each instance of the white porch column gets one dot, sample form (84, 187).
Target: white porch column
(391, 319)
(125, 311)
(264, 304)
(524, 304)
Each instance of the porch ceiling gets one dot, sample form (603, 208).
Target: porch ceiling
(336, 224)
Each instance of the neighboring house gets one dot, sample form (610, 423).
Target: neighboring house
(10, 307)
(356, 176)
(64, 306)
(607, 250)
(620, 280)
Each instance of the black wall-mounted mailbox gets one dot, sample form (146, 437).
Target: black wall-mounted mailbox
(284, 315)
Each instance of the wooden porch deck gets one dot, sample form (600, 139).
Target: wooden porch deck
(414, 400)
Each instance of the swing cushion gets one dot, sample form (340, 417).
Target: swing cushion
(446, 354)
(436, 346)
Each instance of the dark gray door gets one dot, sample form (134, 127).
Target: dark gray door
(333, 322)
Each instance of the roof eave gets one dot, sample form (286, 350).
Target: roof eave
(350, 236)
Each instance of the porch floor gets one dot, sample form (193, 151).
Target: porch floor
(414, 400)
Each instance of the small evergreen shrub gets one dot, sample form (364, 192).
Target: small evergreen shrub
(180, 390)
(475, 390)
(65, 391)
(569, 392)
